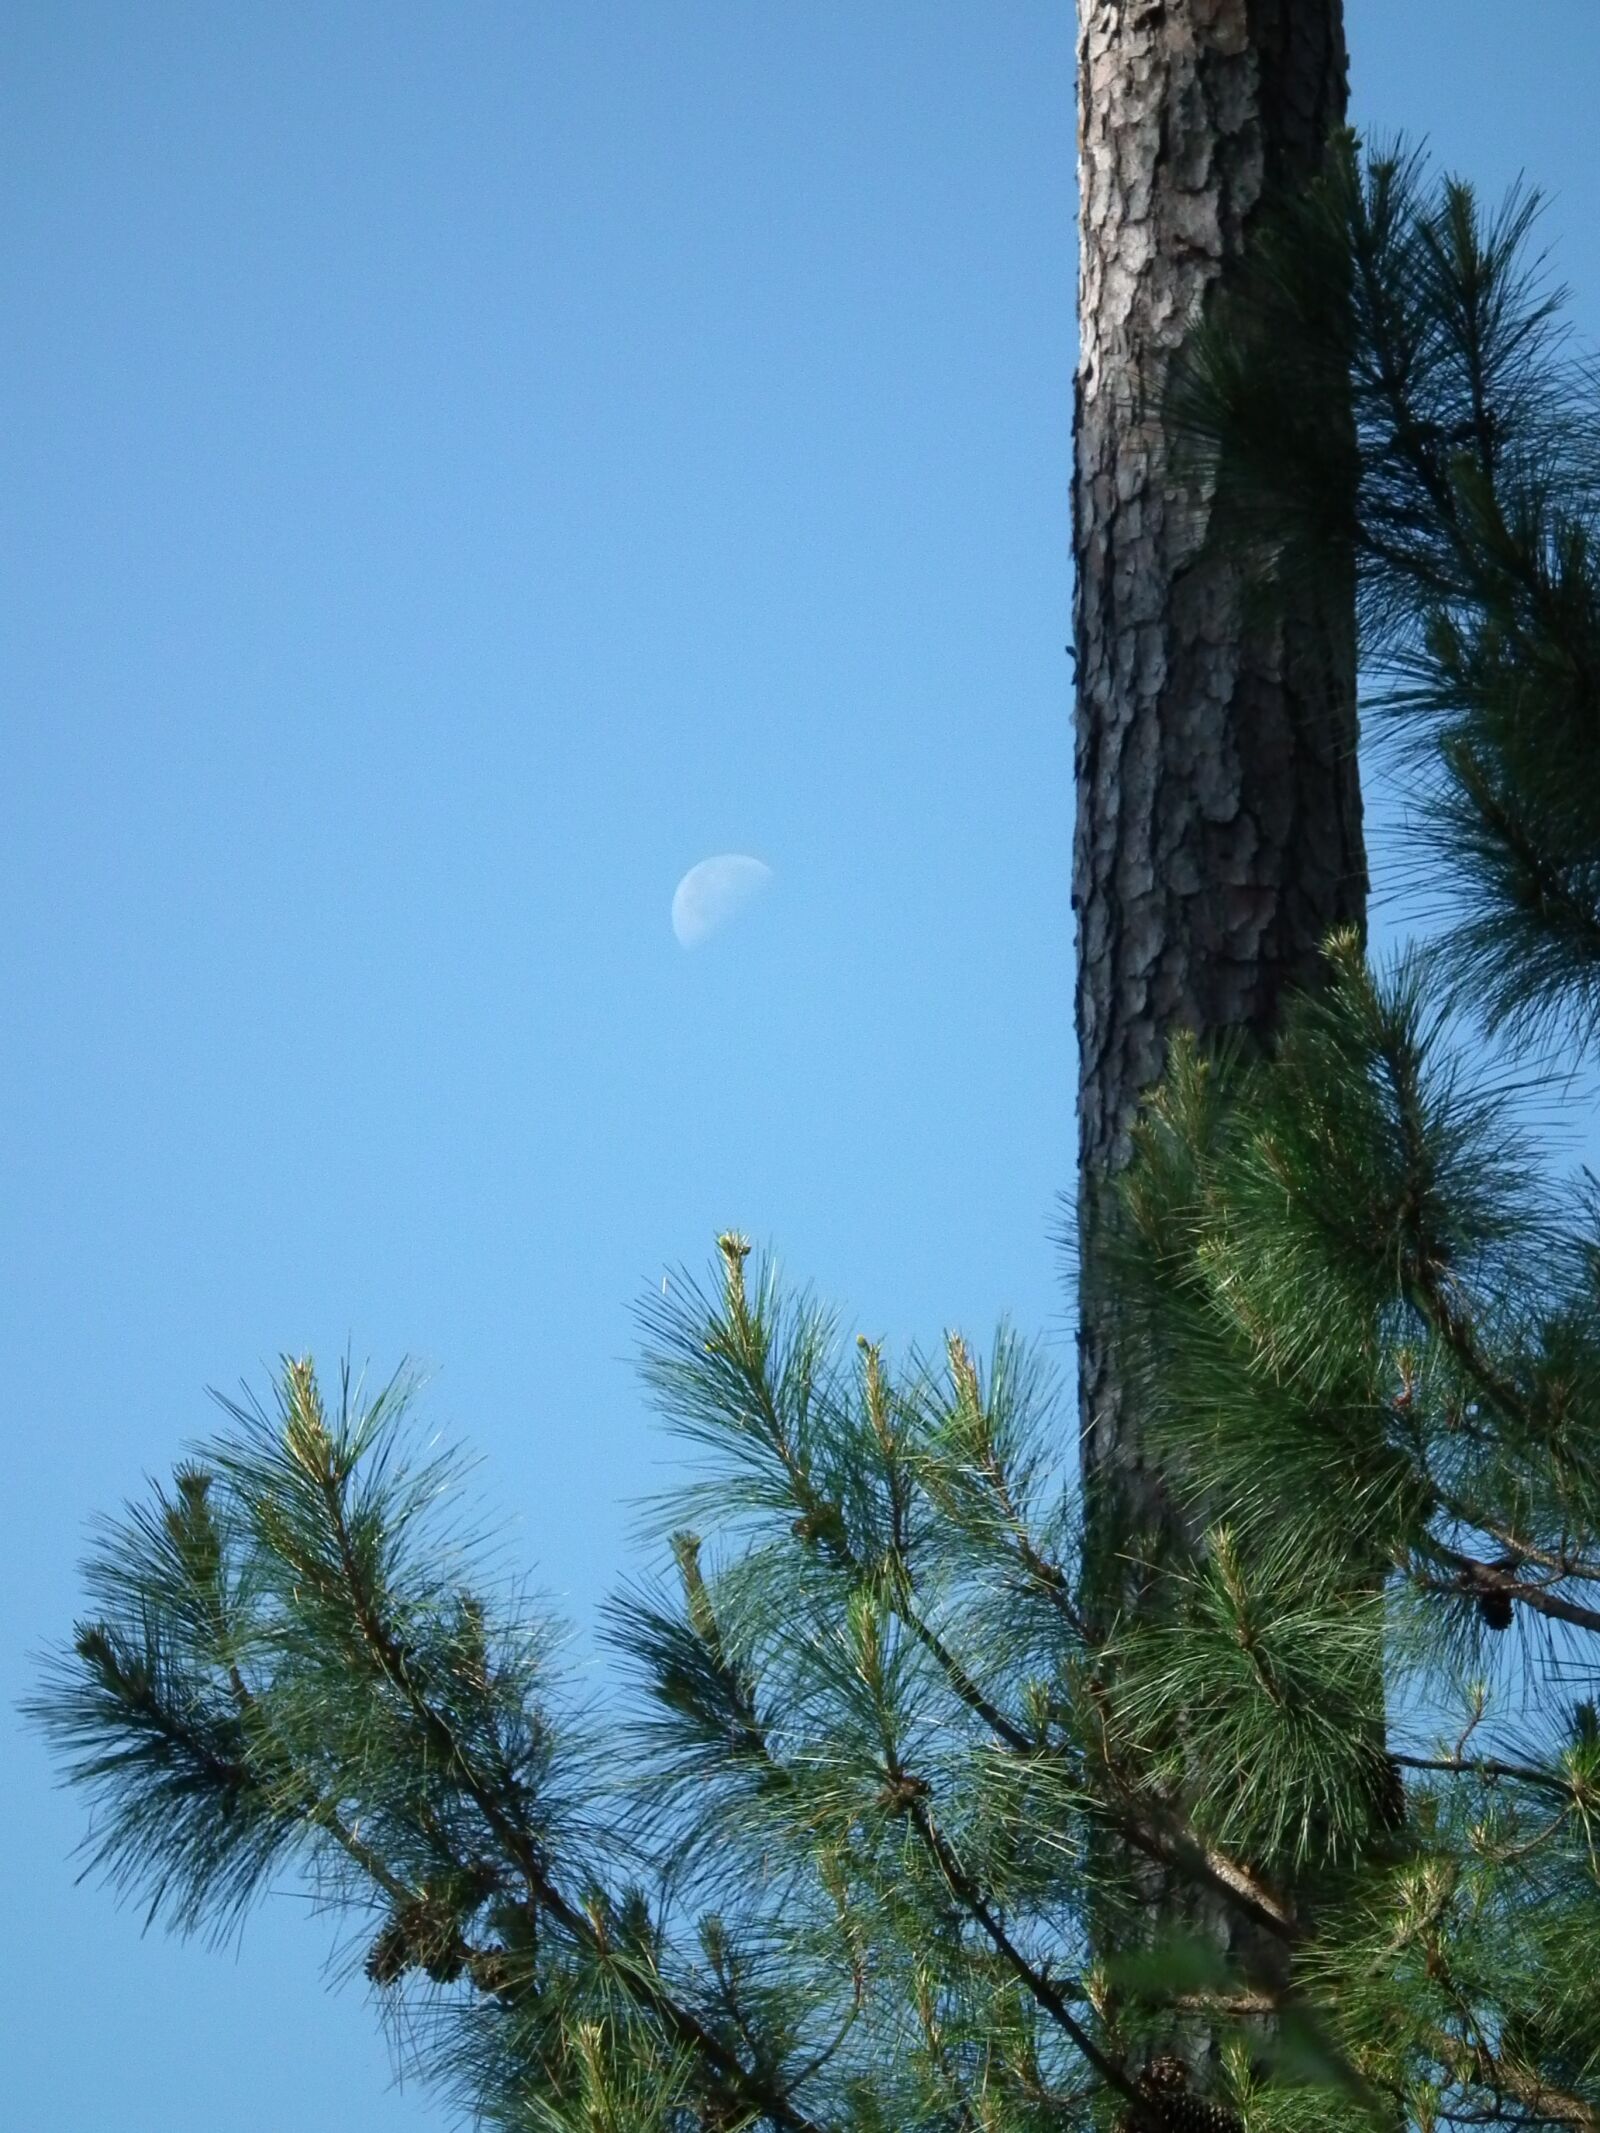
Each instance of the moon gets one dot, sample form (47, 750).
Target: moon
(713, 892)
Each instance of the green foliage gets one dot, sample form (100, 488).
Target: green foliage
(852, 1850)
(1409, 340)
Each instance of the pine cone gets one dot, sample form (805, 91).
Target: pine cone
(389, 1957)
(421, 1936)
(1389, 1796)
(1494, 1608)
(495, 1970)
(1192, 2114)
(1173, 2105)
(445, 1962)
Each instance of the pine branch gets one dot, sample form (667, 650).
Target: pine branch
(132, 1683)
(1166, 1838)
(1155, 1828)
(1476, 2066)
(1561, 1566)
(965, 1687)
(316, 1809)
(1488, 1769)
(1482, 1580)
(392, 1661)
(1047, 1992)
(1163, 1835)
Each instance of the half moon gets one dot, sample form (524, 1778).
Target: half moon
(713, 892)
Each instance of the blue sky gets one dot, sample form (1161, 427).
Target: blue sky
(466, 464)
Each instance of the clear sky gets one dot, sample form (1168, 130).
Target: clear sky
(463, 465)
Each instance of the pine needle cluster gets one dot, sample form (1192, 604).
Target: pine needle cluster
(847, 1853)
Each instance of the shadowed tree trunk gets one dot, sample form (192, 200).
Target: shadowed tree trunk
(1219, 815)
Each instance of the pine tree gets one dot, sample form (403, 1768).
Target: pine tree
(840, 1860)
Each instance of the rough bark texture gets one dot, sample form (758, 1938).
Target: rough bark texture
(1219, 815)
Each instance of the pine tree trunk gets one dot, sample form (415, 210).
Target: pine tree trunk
(1219, 814)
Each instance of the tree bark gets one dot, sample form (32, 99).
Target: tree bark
(1219, 814)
